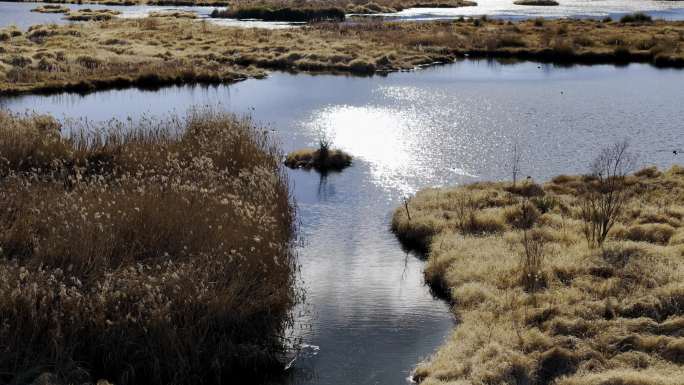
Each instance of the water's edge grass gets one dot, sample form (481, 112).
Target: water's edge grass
(537, 301)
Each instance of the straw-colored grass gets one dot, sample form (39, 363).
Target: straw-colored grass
(157, 252)
(51, 8)
(87, 14)
(158, 51)
(578, 314)
(176, 14)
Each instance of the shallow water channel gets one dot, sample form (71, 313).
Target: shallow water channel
(371, 318)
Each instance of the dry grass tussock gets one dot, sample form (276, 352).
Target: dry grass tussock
(51, 8)
(324, 158)
(354, 6)
(537, 302)
(87, 14)
(157, 252)
(157, 51)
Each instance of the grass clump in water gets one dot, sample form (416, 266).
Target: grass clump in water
(281, 14)
(322, 158)
(638, 17)
(157, 252)
(538, 299)
(51, 8)
(88, 14)
(174, 14)
(536, 2)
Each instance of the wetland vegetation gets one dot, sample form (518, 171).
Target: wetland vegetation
(578, 281)
(162, 251)
(159, 252)
(152, 52)
(324, 158)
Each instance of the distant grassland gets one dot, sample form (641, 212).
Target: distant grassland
(158, 252)
(535, 303)
(158, 51)
(352, 6)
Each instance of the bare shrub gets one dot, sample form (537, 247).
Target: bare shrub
(606, 192)
(515, 162)
(532, 260)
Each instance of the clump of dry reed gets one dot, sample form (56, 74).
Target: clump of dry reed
(155, 252)
(324, 158)
(541, 302)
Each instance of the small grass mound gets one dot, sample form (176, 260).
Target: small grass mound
(321, 159)
(282, 14)
(88, 14)
(51, 8)
(174, 14)
(536, 2)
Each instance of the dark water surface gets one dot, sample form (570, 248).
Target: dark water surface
(371, 317)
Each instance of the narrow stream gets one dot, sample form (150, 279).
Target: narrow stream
(371, 317)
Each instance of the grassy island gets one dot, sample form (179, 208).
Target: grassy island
(88, 14)
(157, 252)
(578, 281)
(51, 8)
(282, 14)
(322, 159)
(536, 2)
(174, 14)
(157, 51)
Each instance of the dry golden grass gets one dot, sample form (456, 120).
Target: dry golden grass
(51, 8)
(158, 252)
(595, 315)
(87, 14)
(176, 14)
(158, 51)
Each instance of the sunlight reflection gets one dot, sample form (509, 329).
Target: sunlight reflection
(382, 136)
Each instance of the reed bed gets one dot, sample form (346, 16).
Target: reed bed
(539, 300)
(156, 252)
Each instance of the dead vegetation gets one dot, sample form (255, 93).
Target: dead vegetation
(159, 51)
(51, 8)
(536, 302)
(157, 252)
(324, 158)
(87, 14)
(176, 14)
